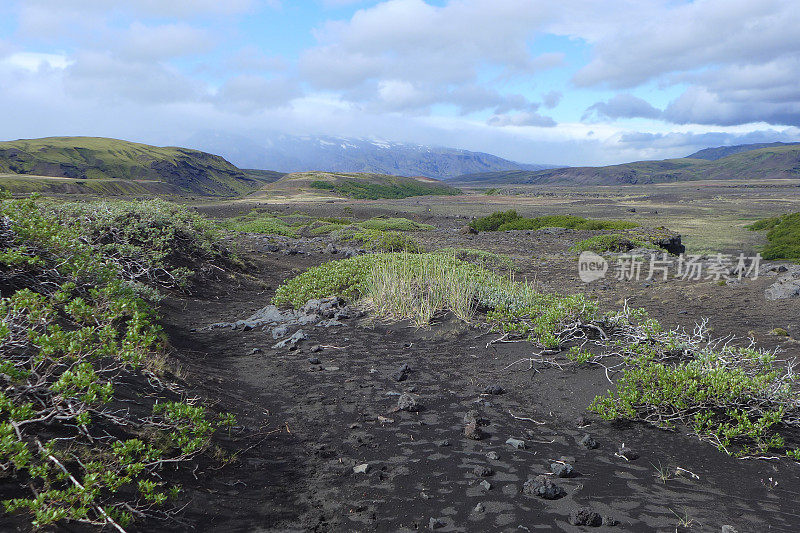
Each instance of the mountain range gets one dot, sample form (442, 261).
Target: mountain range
(776, 160)
(291, 153)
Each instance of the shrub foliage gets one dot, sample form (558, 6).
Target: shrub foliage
(511, 220)
(783, 235)
(75, 338)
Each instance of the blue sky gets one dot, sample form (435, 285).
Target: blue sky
(567, 82)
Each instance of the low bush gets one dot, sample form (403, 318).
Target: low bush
(261, 223)
(154, 241)
(76, 342)
(613, 242)
(783, 236)
(737, 398)
(511, 220)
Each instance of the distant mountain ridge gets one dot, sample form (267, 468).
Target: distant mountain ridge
(776, 161)
(289, 153)
(162, 169)
(712, 154)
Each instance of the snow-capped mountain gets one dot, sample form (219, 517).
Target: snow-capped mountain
(290, 153)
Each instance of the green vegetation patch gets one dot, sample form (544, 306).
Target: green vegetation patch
(417, 286)
(736, 398)
(484, 258)
(613, 242)
(154, 241)
(783, 235)
(366, 190)
(297, 224)
(76, 340)
(511, 220)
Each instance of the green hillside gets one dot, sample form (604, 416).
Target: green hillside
(360, 185)
(178, 170)
(764, 163)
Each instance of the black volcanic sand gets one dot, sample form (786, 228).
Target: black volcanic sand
(307, 424)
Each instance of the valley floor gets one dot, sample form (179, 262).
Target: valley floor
(311, 417)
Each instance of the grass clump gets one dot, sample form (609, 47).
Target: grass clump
(613, 242)
(511, 220)
(484, 258)
(417, 286)
(783, 236)
(76, 342)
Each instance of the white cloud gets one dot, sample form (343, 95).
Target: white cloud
(521, 119)
(103, 77)
(247, 94)
(163, 41)
(33, 61)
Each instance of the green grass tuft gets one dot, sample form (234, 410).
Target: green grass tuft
(511, 220)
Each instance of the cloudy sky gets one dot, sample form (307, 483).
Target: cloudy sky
(539, 81)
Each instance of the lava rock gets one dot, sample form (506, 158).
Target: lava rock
(542, 487)
(255, 351)
(479, 508)
(494, 390)
(473, 417)
(315, 349)
(314, 360)
(516, 443)
(588, 442)
(493, 456)
(407, 402)
(485, 485)
(627, 453)
(435, 523)
(482, 471)
(562, 469)
(361, 469)
(473, 431)
(585, 517)
(298, 336)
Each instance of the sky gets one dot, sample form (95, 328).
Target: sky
(574, 82)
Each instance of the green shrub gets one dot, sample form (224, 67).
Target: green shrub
(262, 224)
(511, 220)
(151, 241)
(614, 242)
(783, 236)
(734, 397)
(323, 185)
(71, 328)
